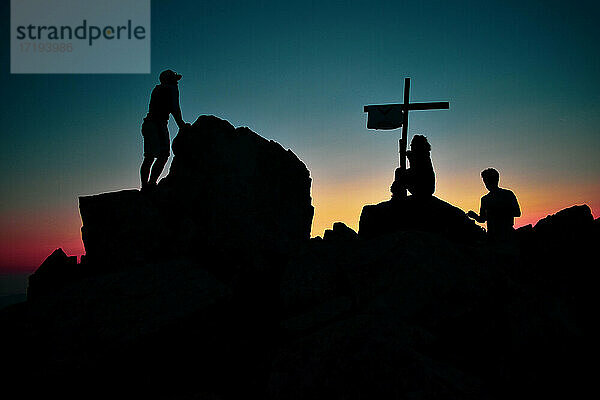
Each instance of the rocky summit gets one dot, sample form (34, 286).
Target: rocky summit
(227, 189)
(412, 213)
(209, 287)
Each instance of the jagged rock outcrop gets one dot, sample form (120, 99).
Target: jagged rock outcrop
(56, 270)
(428, 214)
(572, 220)
(339, 232)
(228, 190)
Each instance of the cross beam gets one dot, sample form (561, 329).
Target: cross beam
(392, 116)
(436, 105)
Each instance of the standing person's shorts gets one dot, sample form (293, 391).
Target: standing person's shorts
(156, 139)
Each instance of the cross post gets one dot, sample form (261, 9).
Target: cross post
(402, 143)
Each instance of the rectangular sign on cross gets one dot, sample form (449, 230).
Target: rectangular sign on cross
(385, 116)
(390, 116)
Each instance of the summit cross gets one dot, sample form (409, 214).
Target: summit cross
(392, 116)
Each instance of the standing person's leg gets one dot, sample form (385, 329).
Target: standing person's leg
(164, 151)
(151, 150)
(145, 170)
(157, 169)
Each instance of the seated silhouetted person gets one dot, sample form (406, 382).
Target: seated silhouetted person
(164, 101)
(419, 179)
(498, 208)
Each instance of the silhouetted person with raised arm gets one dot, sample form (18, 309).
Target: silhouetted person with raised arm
(419, 179)
(498, 208)
(164, 100)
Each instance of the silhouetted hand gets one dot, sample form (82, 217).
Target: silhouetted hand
(472, 214)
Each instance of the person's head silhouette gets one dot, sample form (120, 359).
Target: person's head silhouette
(169, 77)
(419, 144)
(490, 177)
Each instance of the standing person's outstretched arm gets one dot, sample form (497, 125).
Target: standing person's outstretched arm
(482, 217)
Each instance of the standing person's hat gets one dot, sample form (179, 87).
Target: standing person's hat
(169, 76)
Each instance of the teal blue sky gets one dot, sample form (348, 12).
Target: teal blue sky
(522, 79)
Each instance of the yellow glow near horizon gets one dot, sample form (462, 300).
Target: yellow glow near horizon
(343, 201)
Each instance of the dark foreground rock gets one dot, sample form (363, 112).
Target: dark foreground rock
(428, 214)
(208, 288)
(417, 315)
(403, 315)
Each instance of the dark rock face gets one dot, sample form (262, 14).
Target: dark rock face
(228, 189)
(251, 185)
(559, 250)
(428, 214)
(124, 227)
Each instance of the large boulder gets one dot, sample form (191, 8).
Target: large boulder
(567, 222)
(340, 232)
(229, 191)
(427, 214)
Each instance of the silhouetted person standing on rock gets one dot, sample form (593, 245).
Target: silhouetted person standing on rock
(164, 100)
(498, 208)
(419, 179)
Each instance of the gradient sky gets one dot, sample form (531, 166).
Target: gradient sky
(522, 78)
